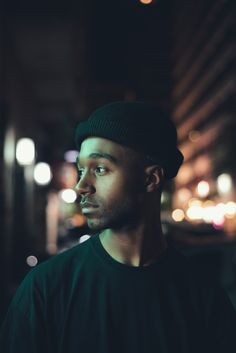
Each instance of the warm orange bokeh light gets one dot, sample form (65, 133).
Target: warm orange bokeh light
(178, 215)
(146, 2)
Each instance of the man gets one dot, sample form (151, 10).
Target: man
(124, 289)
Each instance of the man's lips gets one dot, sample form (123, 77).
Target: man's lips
(88, 205)
(88, 208)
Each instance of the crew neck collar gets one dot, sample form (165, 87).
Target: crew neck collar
(109, 260)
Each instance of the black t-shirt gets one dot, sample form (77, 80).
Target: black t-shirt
(84, 301)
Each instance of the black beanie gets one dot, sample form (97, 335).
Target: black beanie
(138, 125)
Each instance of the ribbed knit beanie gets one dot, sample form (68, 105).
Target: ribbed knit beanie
(139, 125)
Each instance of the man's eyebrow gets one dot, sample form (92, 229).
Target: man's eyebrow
(98, 155)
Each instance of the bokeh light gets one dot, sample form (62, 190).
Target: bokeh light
(230, 209)
(208, 214)
(194, 136)
(224, 183)
(203, 188)
(68, 195)
(71, 156)
(25, 151)
(42, 173)
(32, 261)
(195, 212)
(146, 2)
(194, 202)
(184, 195)
(178, 215)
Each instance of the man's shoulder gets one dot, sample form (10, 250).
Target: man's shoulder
(189, 273)
(51, 279)
(177, 259)
(186, 267)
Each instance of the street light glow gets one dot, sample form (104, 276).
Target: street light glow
(146, 2)
(224, 183)
(68, 195)
(203, 188)
(42, 173)
(25, 151)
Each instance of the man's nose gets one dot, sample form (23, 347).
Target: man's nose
(84, 186)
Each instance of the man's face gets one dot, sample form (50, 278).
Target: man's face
(111, 184)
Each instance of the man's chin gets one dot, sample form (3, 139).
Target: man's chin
(95, 225)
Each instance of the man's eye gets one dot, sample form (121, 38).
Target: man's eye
(80, 172)
(100, 170)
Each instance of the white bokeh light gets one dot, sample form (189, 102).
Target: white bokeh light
(68, 195)
(25, 151)
(230, 208)
(42, 173)
(203, 188)
(208, 214)
(32, 261)
(178, 215)
(195, 212)
(71, 156)
(224, 183)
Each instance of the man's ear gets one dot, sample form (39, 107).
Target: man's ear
(154, 177)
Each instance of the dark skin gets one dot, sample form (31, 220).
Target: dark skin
(120, 197)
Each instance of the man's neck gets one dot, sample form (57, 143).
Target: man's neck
(139, 246)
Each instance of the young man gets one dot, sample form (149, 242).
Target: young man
(124, 290)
